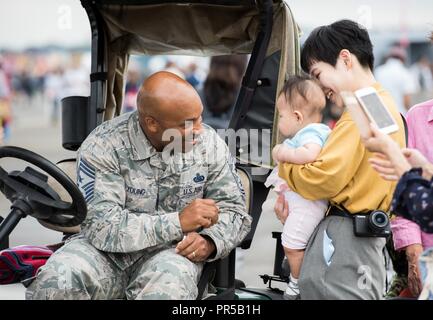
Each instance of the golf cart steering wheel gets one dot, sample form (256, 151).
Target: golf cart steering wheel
(30, 193)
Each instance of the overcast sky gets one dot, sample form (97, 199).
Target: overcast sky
(26, 23)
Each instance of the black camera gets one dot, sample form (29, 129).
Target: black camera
(375, 224)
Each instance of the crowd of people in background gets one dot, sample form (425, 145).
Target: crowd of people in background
(408, 84)
(35, 80)
(39, 80)
(218, 83)
(31, 78)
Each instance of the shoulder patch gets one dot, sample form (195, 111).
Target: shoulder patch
(86, 179)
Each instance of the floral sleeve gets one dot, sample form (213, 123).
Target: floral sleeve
(413, 199)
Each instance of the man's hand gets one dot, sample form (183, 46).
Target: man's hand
(199, 213)
(413, 253)
(281, 208)
(195, 247)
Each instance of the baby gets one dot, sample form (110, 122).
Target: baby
(300, 105)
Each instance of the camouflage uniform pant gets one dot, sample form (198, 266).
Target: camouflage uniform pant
(79, 271)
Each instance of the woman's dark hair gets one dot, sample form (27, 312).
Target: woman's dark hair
(326, 42)
(222, 84)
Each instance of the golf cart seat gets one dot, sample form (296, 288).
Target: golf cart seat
(247, 185)
(221, 273)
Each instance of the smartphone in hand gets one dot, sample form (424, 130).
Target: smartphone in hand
(357, 113)
(376, 110)
(366, 106)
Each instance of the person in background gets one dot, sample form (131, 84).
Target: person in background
(171, 66)
(54, 86)
(407, 235)
(422, 74)
(76, 77)
(409, 240)
(396, 78)
(221, 88)
(5, 111)
(331, 114)
(191, 75)
(412, 200)
(131, 90)
(218, 95)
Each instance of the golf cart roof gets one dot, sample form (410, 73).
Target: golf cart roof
(263, 28)
(203, 28)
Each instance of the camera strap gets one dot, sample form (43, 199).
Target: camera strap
(336, 211)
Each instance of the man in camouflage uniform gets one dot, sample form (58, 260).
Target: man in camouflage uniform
(154, 216)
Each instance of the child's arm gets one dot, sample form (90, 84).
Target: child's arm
(302, 155)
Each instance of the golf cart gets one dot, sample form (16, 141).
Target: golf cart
(264, 29)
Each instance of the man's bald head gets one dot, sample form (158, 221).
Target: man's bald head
(164, 94)
(166, 101)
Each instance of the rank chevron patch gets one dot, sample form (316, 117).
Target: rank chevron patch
(86, 179)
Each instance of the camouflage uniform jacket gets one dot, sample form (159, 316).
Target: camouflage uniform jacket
(134, 197)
